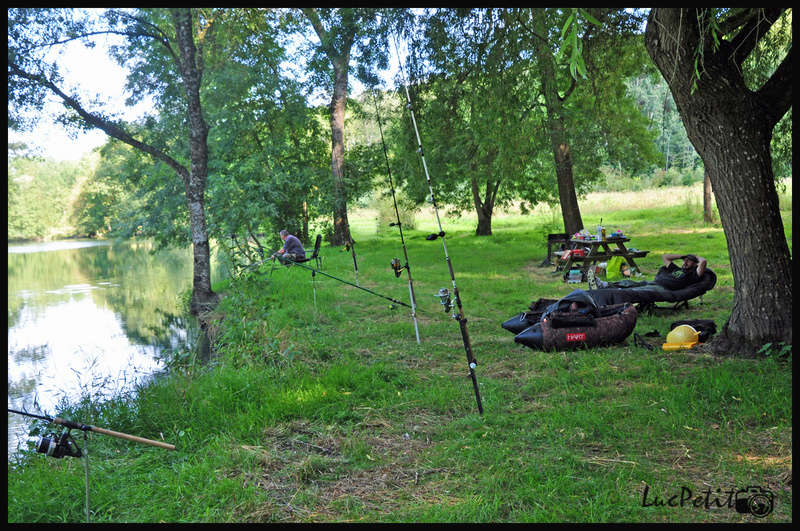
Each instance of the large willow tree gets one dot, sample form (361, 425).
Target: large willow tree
(730, 118)
(505, 115)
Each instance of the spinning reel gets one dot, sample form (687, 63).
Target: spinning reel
(56, 446)
(444, 299)
(398, 267)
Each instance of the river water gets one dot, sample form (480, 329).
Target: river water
(90, 318)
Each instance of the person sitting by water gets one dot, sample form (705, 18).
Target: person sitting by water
(292, 249)
(669, 275)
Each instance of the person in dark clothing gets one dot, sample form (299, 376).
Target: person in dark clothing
(669, 276)
(292, 249)
(673, 277)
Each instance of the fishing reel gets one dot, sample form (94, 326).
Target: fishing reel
(431, 237)
(398, 267)
(349, 245)
(444, 299)
(56, 446)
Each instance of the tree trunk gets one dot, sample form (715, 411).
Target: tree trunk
(708, 207)
(484, 207)
(730, 127)
(570, 211)
(339, 57)
(341, 225)
(203, 298)
(484, 212)
(484, 227)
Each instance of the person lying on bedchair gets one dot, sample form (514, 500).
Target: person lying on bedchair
(669, 276)
(672, 283)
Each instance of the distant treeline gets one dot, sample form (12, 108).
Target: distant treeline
(41, 195)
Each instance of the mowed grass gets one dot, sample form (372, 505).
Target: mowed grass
(320, 405)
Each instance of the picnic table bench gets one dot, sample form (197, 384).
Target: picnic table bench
(558, 239)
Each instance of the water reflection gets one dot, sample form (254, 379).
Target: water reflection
(87, 318)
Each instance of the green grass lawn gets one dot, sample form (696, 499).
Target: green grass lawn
(333, 412)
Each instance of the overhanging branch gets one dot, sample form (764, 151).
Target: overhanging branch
(99, 122)
(753, 31)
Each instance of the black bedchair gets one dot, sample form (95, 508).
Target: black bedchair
(646, 297)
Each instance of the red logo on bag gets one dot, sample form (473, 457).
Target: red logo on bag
(577, 336)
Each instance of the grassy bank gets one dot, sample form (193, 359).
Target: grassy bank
(333, 412)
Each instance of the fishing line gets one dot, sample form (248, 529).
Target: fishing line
(396, 266)
(443, 294)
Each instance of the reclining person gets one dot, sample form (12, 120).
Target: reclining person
(669, 276)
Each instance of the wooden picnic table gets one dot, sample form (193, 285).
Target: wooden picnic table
(600, 251)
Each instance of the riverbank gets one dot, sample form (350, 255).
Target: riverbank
(90, 318)
(321, 406)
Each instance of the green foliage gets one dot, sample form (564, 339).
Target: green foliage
(106, 197)
(269, 154)
(406, 210)
(31, 32)
(781, 351)
(266, 152)
(781, 147)
(341, 37)
(571, 44)
(469, 110)
(359, 33)
(41, 194)
(617, 181)
(480, 110)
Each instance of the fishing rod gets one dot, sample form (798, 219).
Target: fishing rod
(396, 266)
(443, 294)
(59, 446)
(84, 427)
(314, 271)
